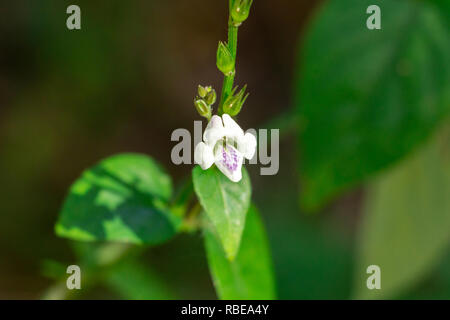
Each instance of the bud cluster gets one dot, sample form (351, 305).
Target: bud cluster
(231, 100)
(204, 101)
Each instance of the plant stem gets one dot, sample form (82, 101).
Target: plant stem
(232, 46)
(105, 256)
(191, 222)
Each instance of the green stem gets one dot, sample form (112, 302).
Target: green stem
(105, 256)
(191, 220)
(232, 46)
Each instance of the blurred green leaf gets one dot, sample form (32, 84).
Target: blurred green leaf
(123, 198)
(250, 274)
(225, 202)
(133, 281)
(436, 285)
(406, 222)
(367, 97)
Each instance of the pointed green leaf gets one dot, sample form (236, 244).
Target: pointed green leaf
(406, 223)
(225, 202)
(250, 274)
(123, 198)
(368, 97)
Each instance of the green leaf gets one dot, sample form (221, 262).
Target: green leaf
(123, 198)
(367, 97)
(250, 274)
(225, 202)
(406, 223)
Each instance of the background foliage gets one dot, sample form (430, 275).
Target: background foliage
(371, 108)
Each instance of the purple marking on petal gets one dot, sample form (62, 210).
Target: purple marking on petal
(230, 159)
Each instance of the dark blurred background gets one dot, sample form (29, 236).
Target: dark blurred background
(124, 82)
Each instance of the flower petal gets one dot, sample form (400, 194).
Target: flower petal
(203, 155)
(232, 129)
(229, 161)
(247, 145)
(214, 131)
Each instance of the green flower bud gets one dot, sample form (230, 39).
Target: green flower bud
(211, 97)
(229, 103)
(202, 91)
(202, 108)
(240, 11)
(233, 103)
(225, 60)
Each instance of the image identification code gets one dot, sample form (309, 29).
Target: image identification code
(235, 309)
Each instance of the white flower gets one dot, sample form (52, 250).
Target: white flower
(226, 145)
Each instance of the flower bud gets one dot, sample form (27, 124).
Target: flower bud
(211, 97)
(202, 108)
(233, 103)
(240, 11)
(229, 104)
(202, 91)
(225, 60)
